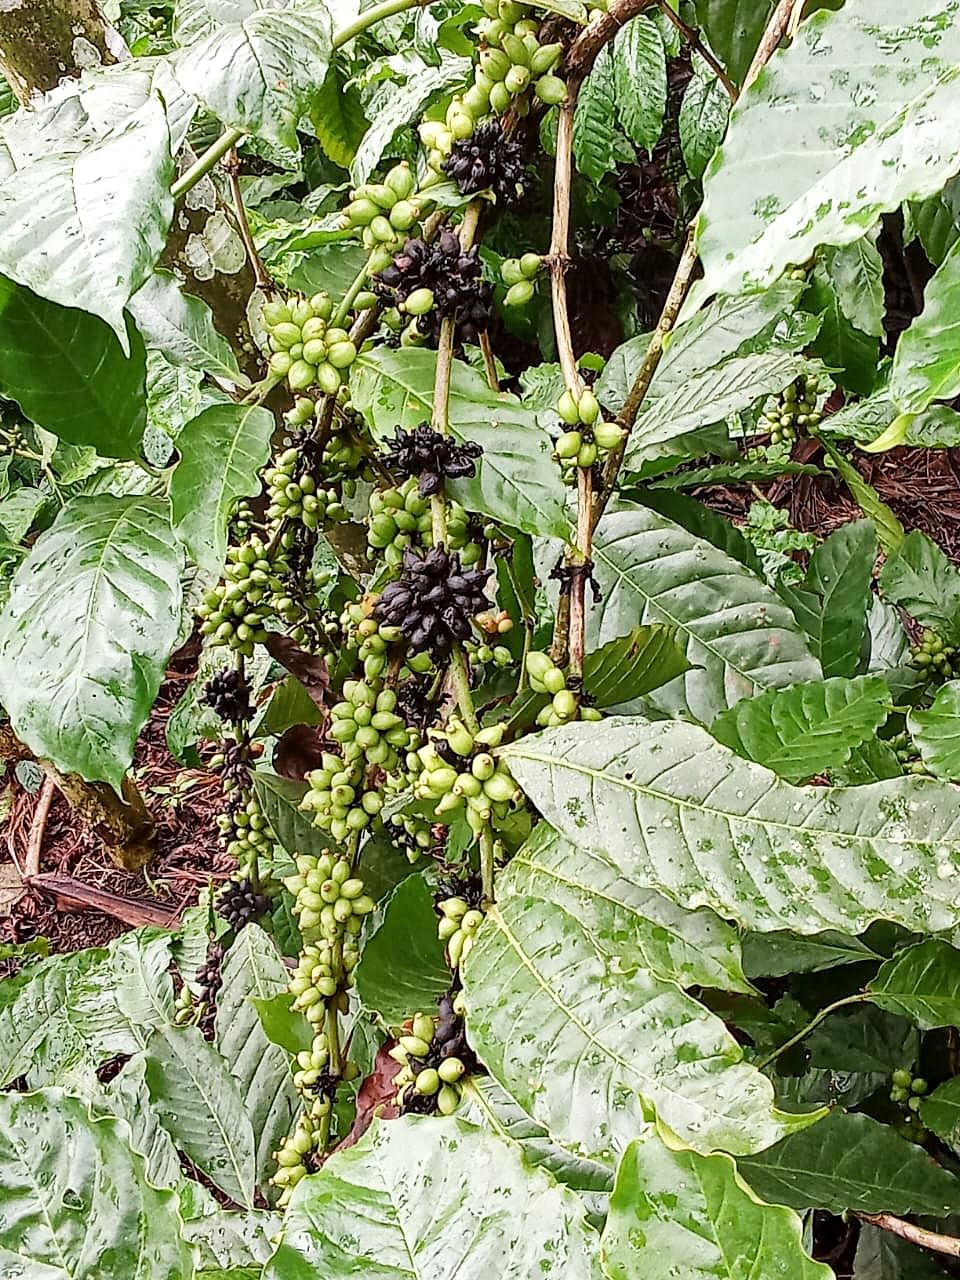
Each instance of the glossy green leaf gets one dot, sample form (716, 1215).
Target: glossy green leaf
(711, 397)
(845, 157)
(738, 636)
(553, 1018)
(280, 800)
(863, 1039)
(431, 1199)
(856, 273)
(595, 120)
(289, 704)
(640, 80)
(93, 613)
(633, 665)
(254, 970)
(181, 327)
(926, 364)
(941, 1112)
(729, 327)
(922, 580)
(201, 1107)
(517, 482)
(703, 522)
(851, 354)
(281, 1025)
(34, 1013)
(936, 221)
(677, 812)
(221, 453)
(936, 732)
(774, 955)
(118, 1002)
(851, 1162)
(67, 371)
(734, 28)
(704, 112)
(674, 1211)
(104, 189)
(260, 73)
(806, 729)
(921, 983)
(337, 116)
(890, 532)
(831, 605)
(402, 969)
(75, 1200)
(690, 948)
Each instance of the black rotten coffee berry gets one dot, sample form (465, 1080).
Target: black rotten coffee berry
(240, 904)
(487, 161)
(439, 280)
(226, 694)
(433, 601)
(431, 456)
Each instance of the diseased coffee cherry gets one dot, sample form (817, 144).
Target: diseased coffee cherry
(240, 904)
(487, 161)
(433, 600)
(227, 695)
(430, 456)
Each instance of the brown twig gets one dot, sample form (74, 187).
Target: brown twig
(692, 37)
(949, 1245)
(779, 25)
(641, 384)
(231, 165)
(31, 866)
(489, 361)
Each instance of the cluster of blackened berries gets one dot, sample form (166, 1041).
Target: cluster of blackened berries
(433, 601)
(431, 456)
(414, 703)
(226, 694)
(451, 276)
(240, 904)
(487, 161)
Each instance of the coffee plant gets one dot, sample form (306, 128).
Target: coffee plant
(596, 857)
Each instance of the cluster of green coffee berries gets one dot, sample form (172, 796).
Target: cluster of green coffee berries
(908, 1091)
(234, 611)
(306, 350)
(564, 705)
(366, 725)
(794, 411)
(337, 801)
(935, 657)
(459, 923)
(400, 517)
(906, 752)
(297, 1148)
(415, 834)
(329, 899)
(424, 1073)
(299, 499)
(588, 435)
(513, 60)
(519, 274)
(478, 785)
(385, 212)
(246, 833)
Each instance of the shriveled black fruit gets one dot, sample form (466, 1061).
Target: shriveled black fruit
(240, 904)
(454, 278)
(414, 704)
(487, 161)
(433, 601)
(226, 694)
(431, 456)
